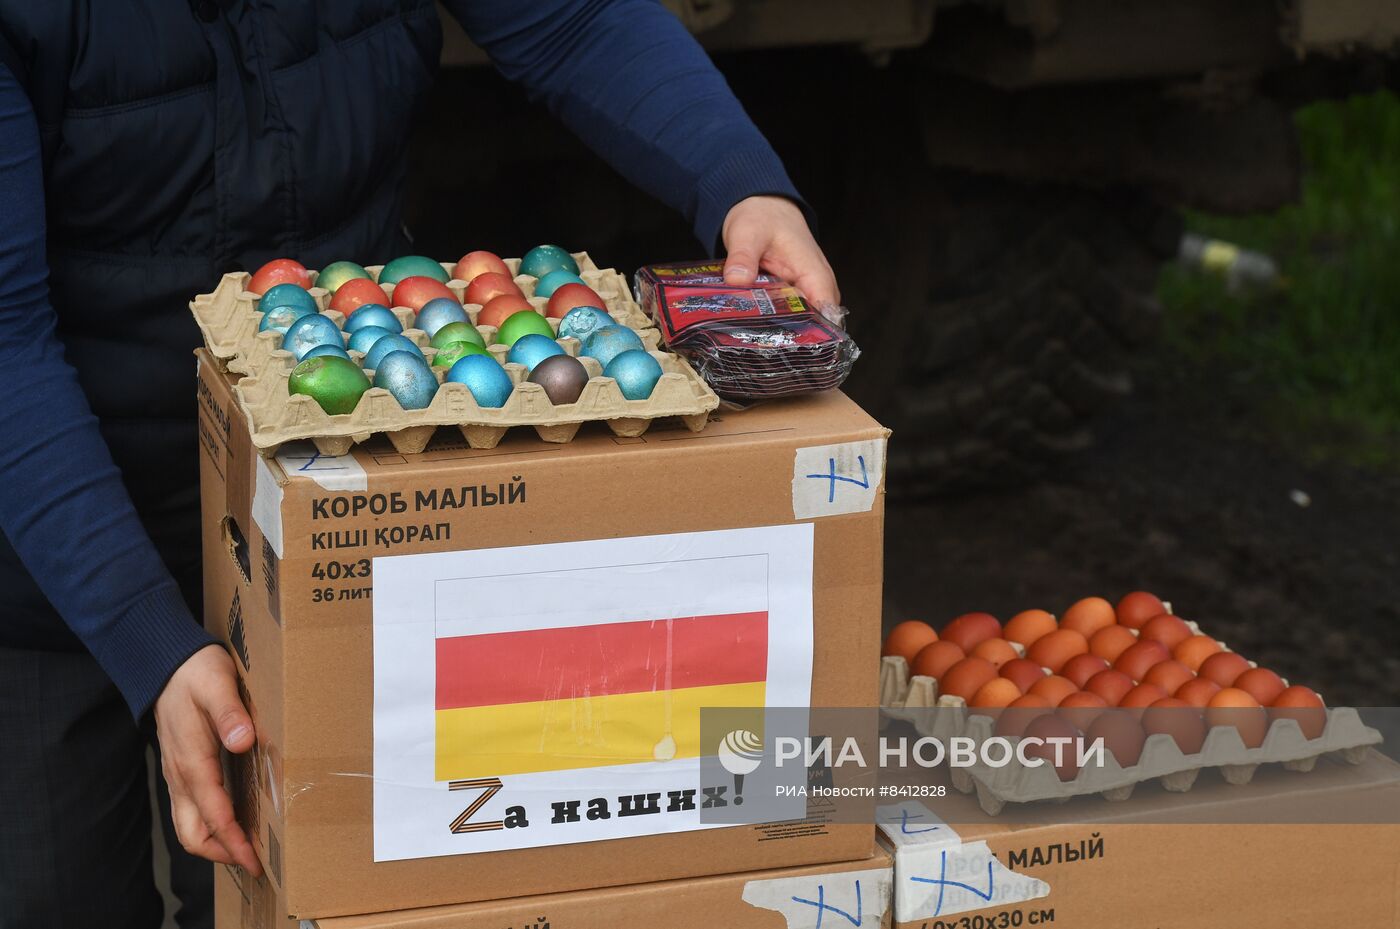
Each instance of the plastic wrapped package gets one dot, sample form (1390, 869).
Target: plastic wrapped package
(748, 343)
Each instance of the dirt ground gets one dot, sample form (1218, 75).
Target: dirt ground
(1183, 497)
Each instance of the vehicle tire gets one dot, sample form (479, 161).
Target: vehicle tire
(1008, 325)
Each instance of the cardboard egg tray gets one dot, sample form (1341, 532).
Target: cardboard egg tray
(903, 697)
(228, 320)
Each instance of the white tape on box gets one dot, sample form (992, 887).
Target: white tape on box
(267, 505)
(858, 898)
(938, 874)
(832, 480)
(332, 472)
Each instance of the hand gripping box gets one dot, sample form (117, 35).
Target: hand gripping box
(853, 894)
(1287, 849)
(477, 673)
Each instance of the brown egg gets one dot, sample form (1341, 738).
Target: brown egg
(907, 638)
(1049, 727)
(1168, 675)
(1081, 708)
(1122, 735)
(1082, 667)
(1235, 708)
(1197, 692)
(1111, 641)
(1142, 696)
(997, 692)
(1028, 625)
(1021, 672)
(935, 658)
(1053, 688)
(1191, 652)
(1053, 650)
(1304, 705)
(1223, 668)
(965, 678)
(997, 651)
(970, 629)
(1167, 629)
(1178, 719)
(1111, 685)
(1137, 608)
(1261, 684)
(1012, 721)
(1089, 616)
(1137, 659)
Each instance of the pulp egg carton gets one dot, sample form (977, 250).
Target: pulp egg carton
(902, 696)
(228, 317)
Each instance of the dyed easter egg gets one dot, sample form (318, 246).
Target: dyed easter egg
(581, 321)
(387, 344)
(407, 376)
(636, 373)
(488, 382)
(532, 348)
(543, 259)
(336, 384)
(373, 314)
(338, 272)
(607, 343)
(457, 332)
(437, 313)
(412, 266)
(363, 339)
(279, 271)
(562, 377)
(282, 305)
(452, 352)
(525, 322)
(554, 280)
(310, 331)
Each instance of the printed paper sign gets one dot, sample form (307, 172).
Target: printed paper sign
(549, 694)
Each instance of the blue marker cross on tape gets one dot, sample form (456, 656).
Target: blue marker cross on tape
(863, 481)
(823, 907)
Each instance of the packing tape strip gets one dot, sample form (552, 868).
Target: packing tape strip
(937, 874)
(832, 480)
(854, 898)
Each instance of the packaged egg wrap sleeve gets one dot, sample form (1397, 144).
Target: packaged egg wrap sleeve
(748, 343)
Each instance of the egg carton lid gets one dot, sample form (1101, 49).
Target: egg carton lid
(228, 318)
(906, 697)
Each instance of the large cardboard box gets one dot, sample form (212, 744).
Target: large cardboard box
(399, 623)
(1287, 849)
(854, 894)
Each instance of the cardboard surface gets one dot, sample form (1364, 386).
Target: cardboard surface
(296, 607)
(1222, 855)
(852, 893)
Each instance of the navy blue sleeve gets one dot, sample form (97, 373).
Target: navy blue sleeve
(628, 79)
(62, 502)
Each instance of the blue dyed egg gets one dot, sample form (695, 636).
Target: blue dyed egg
(636, 373)
(438, 312)
(581, 321)
(407, 376)
(389, 343)
(554, 280)
(362, 340)
(316, 351)
(607, 343)
(372, 314)
(310, 331)
(543, 259)
(530, 350)
(283, 305)
(488, 381)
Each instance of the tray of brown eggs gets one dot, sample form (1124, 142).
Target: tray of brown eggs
(1105, 697)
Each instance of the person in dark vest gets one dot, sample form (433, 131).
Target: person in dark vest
(146, 148)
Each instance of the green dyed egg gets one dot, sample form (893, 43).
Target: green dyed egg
(412, 266)
(335, 383)
(457, 332)
(448, 355)
(525, 322)
(337, 273)
(543, 259)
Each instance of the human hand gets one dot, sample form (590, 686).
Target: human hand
(198, 710)
(770, 234)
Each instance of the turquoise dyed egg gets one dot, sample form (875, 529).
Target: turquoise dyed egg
(607, 343)
(407, 376)
(488, 381)
(636, 373)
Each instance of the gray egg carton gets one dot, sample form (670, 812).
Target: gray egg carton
(228, 319)
(908, 697)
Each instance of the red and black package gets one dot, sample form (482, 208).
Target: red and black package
(749, 343)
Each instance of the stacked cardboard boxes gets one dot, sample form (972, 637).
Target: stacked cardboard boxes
(476, 673)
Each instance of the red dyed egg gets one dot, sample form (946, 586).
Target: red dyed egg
(488, 285)
(1082, 667)
(474, 264)
(280, 271)
(1137, 659)
(356, 292)
(415, 291)
(500, 308)
(569, 296)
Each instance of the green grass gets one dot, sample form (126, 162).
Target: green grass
(1327, 345)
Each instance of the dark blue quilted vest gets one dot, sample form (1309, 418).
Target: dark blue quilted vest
(183, 139)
